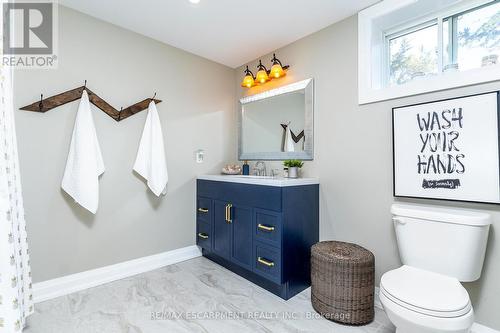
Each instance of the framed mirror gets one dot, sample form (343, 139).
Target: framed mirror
(278, 124)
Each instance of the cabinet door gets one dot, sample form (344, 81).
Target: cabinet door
(242, 224)
(222, 230)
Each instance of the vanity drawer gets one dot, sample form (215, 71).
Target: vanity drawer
(204, 210)
(257, 196)
(267, 227)
(267, 261)
(204, 235)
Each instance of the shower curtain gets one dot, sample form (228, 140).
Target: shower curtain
(16, 300)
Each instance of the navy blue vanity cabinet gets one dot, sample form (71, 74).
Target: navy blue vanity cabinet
(263, 233)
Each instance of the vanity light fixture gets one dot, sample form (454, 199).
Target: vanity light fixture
(249, 79)
(262, 73)
(277, 68)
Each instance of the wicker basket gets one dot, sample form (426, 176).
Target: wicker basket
(342, 282)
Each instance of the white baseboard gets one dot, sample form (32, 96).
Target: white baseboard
(476, 328)
(43, 291)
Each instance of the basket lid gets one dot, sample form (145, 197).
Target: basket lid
(335, 250)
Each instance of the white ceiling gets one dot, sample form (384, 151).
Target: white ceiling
(230, 32)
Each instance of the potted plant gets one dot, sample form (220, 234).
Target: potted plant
(293, 167)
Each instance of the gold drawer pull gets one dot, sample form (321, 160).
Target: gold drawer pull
(203, 210)
(202, 235)
(229, 218)
(265, 262)
(265, 227)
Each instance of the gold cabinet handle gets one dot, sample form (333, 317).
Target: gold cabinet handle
(265, 262)
(203, 210)
(202, 235)
(265, 227)
(228, 213)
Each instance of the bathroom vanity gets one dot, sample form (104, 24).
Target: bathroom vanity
(261, 228)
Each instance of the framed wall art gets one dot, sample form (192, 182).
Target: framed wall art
(448, 149)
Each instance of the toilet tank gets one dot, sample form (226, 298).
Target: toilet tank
(443, 240)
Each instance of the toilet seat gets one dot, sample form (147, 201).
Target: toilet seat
(426, 292)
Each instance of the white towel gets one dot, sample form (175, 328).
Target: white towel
(85, 163)
(289, 143)
(151, 163)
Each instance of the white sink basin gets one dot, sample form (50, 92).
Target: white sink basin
(255, 177)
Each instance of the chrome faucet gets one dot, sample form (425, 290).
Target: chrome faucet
(260, 168)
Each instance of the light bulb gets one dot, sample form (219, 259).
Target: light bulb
(277, 71)
(248, 81)
(262, 76)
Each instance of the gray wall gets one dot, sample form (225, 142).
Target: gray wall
(123, 68)
(353, 156)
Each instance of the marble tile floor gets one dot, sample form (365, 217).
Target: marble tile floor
(192, 296)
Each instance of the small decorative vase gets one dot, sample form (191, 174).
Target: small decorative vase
(293, 172)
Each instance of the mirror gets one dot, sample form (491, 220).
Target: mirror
(278, 124)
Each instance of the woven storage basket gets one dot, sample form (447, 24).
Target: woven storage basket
(342, 282)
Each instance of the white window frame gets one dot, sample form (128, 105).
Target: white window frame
(373, 58)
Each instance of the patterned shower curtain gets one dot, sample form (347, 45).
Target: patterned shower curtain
(16, 300)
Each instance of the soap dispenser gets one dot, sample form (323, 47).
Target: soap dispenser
(246, 168)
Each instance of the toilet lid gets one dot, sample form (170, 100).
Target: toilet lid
(426, 292)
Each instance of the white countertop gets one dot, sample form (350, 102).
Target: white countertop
(261, 180)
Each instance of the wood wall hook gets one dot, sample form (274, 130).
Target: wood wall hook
(120, 114)
(69, 96)
(40, 105)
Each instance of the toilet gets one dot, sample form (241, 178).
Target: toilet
(439, 248)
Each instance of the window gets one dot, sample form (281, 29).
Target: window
(410, 47)
(470, 39)
(413, 54)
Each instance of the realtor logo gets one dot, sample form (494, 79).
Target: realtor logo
(29, 34)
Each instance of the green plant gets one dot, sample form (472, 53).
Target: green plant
(293, 163)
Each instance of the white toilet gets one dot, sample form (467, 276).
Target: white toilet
(439, 247)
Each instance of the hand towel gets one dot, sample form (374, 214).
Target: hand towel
(85, 163)
(289, 143)
(151, 163)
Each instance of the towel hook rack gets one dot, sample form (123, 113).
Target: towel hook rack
(296, 138)
(51, 102)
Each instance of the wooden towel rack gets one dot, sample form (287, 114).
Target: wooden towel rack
(44, 105)
(296, 138)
